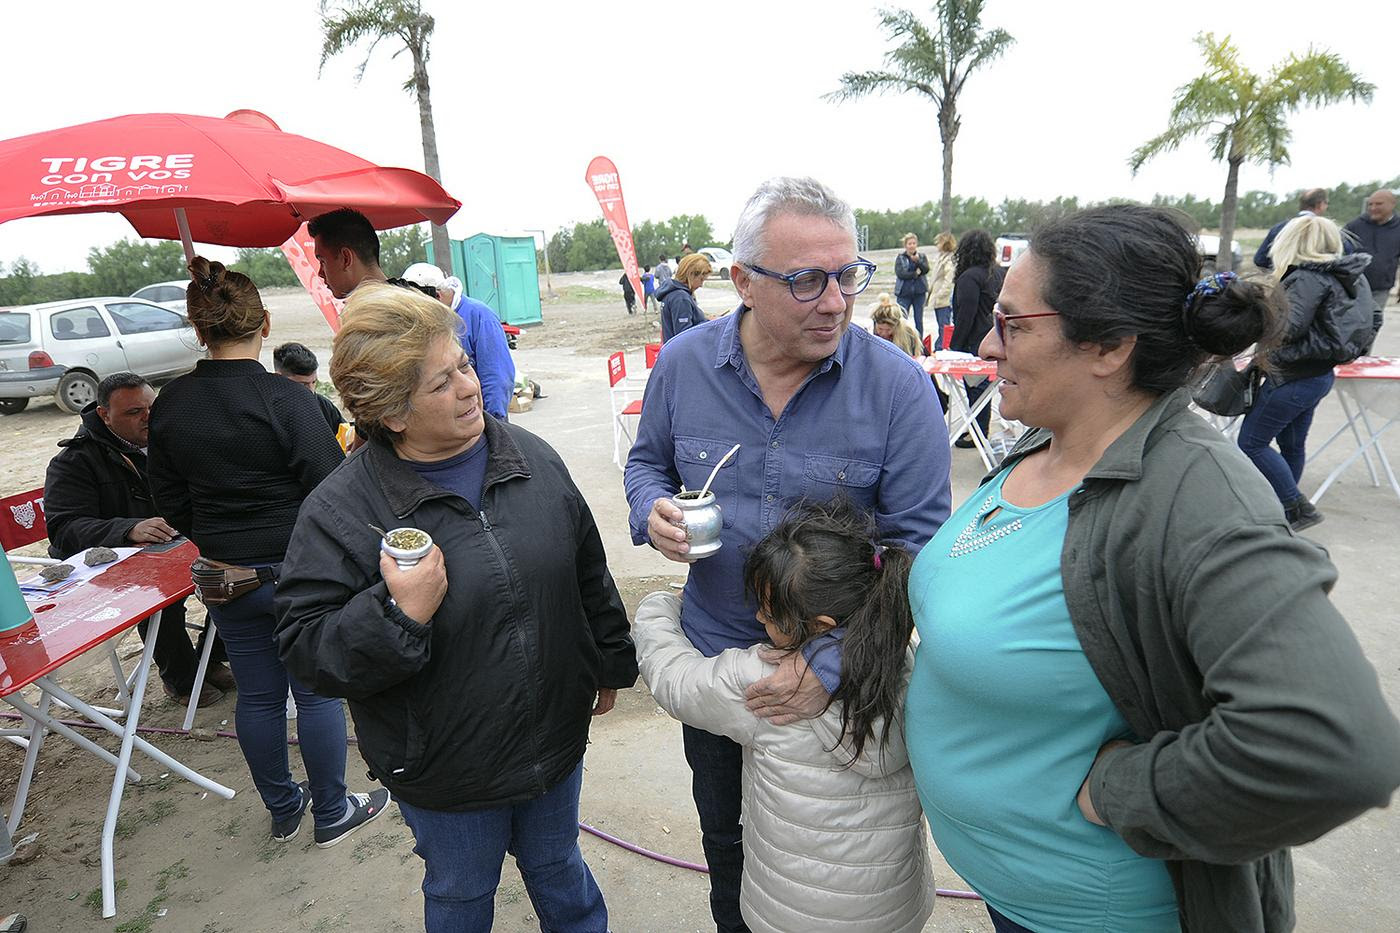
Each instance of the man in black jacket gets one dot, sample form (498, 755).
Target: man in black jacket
(1377, 231)
(96, 495)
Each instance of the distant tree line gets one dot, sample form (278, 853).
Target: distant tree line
(125, 266)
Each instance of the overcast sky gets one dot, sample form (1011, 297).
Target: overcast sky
(696, 103)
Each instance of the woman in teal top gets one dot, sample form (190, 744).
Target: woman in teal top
(1131, 693)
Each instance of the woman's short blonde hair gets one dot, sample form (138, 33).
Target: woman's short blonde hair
(907, 237)
(386, 333)
(693, 266)
(1305, 238)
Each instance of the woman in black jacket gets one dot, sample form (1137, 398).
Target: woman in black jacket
(1331, 320)
(233, 452)
(976, 284)
(472, 675)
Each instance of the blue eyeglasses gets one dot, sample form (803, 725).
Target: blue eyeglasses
(809, 284)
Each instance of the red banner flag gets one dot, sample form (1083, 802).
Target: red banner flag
(300, 251)
(602, 177)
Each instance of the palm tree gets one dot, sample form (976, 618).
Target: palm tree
(935, 62)
(346, 22)
(1244, 115)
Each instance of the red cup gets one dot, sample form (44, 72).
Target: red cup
(947, 336)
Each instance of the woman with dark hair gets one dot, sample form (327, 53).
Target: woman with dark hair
(976, 284)
(234, 450)
(1131, 693)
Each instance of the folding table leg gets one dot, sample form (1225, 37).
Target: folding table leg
(114, 800)
(1352, 419)
(1375, 441)
(69, 733)
(26, 774)
(200, 671)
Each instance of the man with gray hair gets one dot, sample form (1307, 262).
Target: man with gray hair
(820, 410)
(1377, 231)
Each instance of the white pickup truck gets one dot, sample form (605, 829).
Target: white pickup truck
(1011, 245)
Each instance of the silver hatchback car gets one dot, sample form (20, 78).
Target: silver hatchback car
(64, 348)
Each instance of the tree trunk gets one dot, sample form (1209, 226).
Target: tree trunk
(1229, 207)
(442, 247)
(948, 124)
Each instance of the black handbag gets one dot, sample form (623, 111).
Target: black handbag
(1226, 390)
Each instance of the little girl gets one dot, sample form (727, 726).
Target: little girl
(834, 836)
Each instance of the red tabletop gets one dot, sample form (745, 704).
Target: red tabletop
(74, 621)
(1370, 367)
(972, 367)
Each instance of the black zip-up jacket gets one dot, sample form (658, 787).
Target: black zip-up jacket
(234, 450)
(1331, 318)
(679, 310)
(95, 490)
(489, 703)
(974, 297)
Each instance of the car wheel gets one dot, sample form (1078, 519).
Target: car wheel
(13, 406)
(76, 390)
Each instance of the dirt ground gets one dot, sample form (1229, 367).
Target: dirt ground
(190, 862)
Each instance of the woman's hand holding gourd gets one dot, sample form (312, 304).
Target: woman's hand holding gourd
(418, 590)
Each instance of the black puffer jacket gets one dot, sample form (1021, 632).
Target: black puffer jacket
(1332, 318)
(488, 704)
(95, 490)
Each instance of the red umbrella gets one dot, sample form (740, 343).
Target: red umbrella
(238, 180)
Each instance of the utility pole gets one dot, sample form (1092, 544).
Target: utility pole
(544, 240)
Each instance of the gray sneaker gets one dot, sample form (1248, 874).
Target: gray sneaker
(286, 830)
(365, 808)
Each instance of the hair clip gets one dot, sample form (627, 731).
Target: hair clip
(878, 549)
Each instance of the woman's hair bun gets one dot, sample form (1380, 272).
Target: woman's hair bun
(206, 274)
(1243, 313)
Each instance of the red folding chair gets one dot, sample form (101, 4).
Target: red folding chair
(653, 350)
(625, 403)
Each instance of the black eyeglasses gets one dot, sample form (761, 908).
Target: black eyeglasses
(809, 284)
(999, 320)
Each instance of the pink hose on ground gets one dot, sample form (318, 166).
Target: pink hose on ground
(606, 837)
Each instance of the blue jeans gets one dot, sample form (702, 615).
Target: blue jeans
(1284, 412)
(944, 316)
(462, 853)
(717, 772)
(246, 626)
(914, 304)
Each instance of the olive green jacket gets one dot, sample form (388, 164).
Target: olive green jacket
(1208, 623)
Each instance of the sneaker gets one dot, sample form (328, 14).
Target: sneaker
(220, 676)
(365, 808)
(1302, 514)
(208, 696)
(286, 830)
(964, 442)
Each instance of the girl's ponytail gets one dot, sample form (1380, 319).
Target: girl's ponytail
(873, 650)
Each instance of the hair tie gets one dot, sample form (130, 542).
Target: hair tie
(1211, 285)
(206, 282)
(878, 548)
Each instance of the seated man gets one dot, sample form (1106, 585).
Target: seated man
(299, 364)
(96, 494)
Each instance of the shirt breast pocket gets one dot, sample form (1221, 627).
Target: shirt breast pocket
(696, 457)
(825, 477)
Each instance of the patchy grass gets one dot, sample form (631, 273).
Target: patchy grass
(94, 899)
(145, 816)
(271, 850)
(233, 827)
(142, 922)
(588, 293)
(327, 924)
(371, 846)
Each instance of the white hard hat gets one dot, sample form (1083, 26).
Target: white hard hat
(424, 273)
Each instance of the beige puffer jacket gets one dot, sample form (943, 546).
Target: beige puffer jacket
(826, 848)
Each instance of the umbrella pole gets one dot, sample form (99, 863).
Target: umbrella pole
(183, 223)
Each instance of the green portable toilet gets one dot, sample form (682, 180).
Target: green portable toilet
(499, 270)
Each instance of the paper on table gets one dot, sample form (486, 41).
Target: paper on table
(34, 587)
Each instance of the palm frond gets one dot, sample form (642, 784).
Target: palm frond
(862, 83)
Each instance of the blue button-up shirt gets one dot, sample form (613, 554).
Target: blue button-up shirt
(865, 423)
